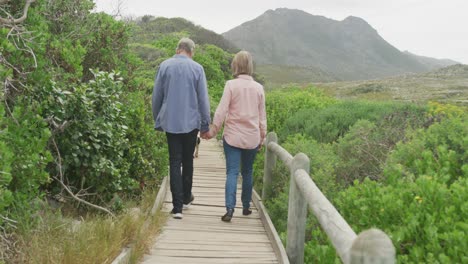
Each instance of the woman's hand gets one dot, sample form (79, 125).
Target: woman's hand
(205, 135)
(210, 133)
(260, 146)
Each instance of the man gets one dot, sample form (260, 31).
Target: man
(181, 108)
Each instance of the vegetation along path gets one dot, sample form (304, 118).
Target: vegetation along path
(201, 236)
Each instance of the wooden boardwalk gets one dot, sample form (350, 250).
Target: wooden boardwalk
(201, 236)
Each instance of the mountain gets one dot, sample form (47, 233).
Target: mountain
(432, 63)
(349, 50)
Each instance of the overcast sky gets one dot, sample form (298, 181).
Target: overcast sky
(435, 28)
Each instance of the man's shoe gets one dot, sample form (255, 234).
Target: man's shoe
(176, 214)
(228, 216)
(187, 205)
(246, 211)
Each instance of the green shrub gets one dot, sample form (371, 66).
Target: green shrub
(147, 152)
(284, 103)
(215, 62)
(364, 149)
(24, 156)
(322, 165)
(441, 152)
(419, 198)
(6, 159)
(92, 138)
(425, 219)
(423, 203)
(330, 123)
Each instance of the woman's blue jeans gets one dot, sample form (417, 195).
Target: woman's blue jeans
(237, 158)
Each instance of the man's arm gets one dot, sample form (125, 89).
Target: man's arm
(203, 103)
(158, 95)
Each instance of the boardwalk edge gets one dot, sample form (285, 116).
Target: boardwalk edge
(125, 254)
(270, 229)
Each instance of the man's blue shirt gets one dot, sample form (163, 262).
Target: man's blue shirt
(180, 96)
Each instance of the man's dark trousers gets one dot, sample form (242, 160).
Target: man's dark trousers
(181, 148)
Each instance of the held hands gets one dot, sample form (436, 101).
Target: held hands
(209, 134)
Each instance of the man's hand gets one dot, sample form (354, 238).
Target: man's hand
(209, 134)
(205, 135)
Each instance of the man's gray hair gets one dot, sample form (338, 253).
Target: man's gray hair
(186, 44)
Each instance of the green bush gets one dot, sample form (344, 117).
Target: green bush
(6, 159)
(147, 152)
(215, 61)
(423, 203)
(441, 152)
(404, 172)
(330, 123)
(284, 103)
(426, 219)
(280, 105)
(24, 157)
(91, 134)
(364, 149)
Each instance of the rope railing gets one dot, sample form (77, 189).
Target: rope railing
(370, 246)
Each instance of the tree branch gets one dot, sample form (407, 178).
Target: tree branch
(83, 201)
(66, 188)
(20, 19)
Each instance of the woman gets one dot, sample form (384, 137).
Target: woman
(242, 109)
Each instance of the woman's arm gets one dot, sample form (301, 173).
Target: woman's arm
(221, 110)
(262, 117)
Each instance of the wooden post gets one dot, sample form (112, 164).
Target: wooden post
(372, 246)
(297, 213)
(269, 165)
(337, 229)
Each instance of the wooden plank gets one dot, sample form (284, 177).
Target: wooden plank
(250, 244)
(219, 260)
(217, 247)
(162, 194)
(215, 214)
(203, 208)
(212, 253)
(225, 230)
(200, 235)
(193, 219)
(271, 230)
(215, 201)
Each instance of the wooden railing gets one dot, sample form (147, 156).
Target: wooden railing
(370, 246)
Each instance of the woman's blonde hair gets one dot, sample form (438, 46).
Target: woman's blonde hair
(242, 64)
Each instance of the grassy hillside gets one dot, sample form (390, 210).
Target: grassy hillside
(448, 84)
(279, 75)
(151, 28)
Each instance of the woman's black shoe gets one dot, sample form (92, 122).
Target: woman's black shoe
(246, 211)
(228, 216)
